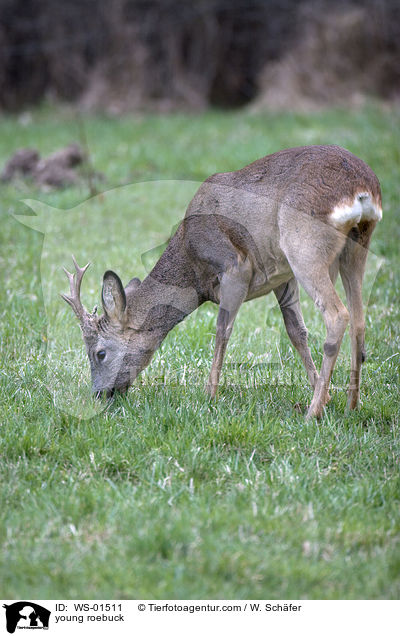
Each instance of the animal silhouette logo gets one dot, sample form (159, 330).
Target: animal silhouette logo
(26, 615)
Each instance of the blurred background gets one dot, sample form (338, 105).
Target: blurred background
(118, 56)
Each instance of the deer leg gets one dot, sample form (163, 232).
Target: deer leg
(357, 331)
(319, 286)
(314, 264)
(336, 318)
(289, 302)
(352, 266)
(234, 285)
(334, 270)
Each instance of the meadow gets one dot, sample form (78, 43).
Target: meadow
(164, 494)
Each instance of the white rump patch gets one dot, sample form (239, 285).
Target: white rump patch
(363, 208)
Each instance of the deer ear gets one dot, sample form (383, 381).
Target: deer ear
(113, 297)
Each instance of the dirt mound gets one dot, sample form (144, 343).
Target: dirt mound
(55, 171)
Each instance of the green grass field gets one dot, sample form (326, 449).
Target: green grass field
(164, 494)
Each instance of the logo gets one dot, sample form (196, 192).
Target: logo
(26, 615)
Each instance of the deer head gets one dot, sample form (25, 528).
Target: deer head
(116, 350)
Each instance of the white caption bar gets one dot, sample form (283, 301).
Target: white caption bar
(176, 618)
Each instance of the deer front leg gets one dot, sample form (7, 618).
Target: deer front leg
(234, 287)
(288, 298)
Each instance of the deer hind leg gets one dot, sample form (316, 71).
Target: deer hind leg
(318, 284)
(289, 302)
(234, 286)
(336, 318)
(352, 267)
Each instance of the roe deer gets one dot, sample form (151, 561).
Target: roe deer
(297, 216)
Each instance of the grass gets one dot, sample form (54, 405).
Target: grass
(164, 494)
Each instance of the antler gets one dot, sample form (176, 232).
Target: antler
(74, 300)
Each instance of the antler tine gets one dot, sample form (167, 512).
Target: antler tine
(74, 299)
(79, 275)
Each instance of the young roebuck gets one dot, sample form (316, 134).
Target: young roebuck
(298, 216)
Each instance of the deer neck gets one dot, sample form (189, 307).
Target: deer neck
(167, 295)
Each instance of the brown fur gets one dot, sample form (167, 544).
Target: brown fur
(264, 228)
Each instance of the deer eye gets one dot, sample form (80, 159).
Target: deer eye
(101, 355)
